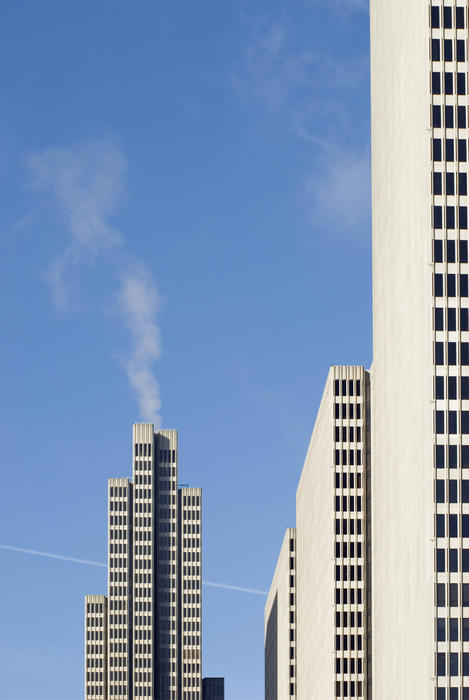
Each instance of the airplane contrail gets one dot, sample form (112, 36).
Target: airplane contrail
(75, 560)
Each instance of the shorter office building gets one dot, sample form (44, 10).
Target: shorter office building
(213, 689)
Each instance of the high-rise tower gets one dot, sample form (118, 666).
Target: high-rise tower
(420, 373)
(144, 639)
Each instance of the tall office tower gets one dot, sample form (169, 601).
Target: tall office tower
(420, 374)
(319, 593)
(144, 639)
(280, 624)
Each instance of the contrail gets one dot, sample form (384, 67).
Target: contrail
(22, 550)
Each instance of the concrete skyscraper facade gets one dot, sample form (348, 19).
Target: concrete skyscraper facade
(144, 639)
(417, 464)
(316, 616)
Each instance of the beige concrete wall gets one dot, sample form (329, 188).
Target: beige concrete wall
(279, 629)
(402, 467)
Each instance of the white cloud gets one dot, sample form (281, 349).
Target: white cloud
(138, 303)
(339, 193)
(87, 184)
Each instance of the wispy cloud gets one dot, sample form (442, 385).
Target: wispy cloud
(138, 303)
(310, 91)
(87, 184)
(75, 560)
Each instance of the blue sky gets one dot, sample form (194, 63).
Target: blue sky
(185, 234)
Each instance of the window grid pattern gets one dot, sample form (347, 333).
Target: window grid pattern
(292, 573)
(95, 647)
(449, 156)
(143, 563)
(167, 567)
(349, 477)
(119, 587)
(190, 592)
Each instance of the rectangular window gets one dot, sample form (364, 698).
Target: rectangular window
(439, 490)
(451, 285)
(436, 83)
(450, 218)
(465, 354)
(460, 18)
(463, 218)
(453, 595)
(437, 217)
(462, 187)
(449, 84)
(453, 560)
(439, 422)
(447, 17)
(449, 116)
(437, 151)
(461, 83)
(441, 629)
(440, 664)
(440, 526)
(464, 319)
(438, 291)
(437, 183)
(465, 456)
(452, 490)
(461, 117)
(435, 17)
(439, 354)
(435, 49)
(448, 44)
(460, 50)
(438, 251)
(440, 456)
(452, 355)
(452, 456)
(450, 151)
(462, 150)
(452, 526)
(465, 422)
(440, 560)
(438, 317)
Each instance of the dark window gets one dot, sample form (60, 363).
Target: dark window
(452, 490)
(453, 664)
(435, 49)
(440, 560)
(465, 664)
(452, 353)
(449, 84)
(438, 251)
(441, 629)
(439, 354)
(451, 284)
(465, 594)
(464, 319)
(460, 17)
(465, 387)
(465, 629)
(465, 560)
(438, 318)
(463, 290)
(450, 251)
(336, 388)
(440, 456)
(460, 50)
(449, 116)
(463, 188)
(448, 50)
(436, 83)
(465, 456)
(462, 150)
(461, 83)
(437, 217)
(453, 560)
(438, 285)
(453, 595)
(439, 387)
(450, 150)
(463, 218)
(452, 456)
(452, 526)
(452, 321)
(440, 595)
(447, 17)
(437, 183)
(452, 384)
(437, 149)
(440, 525)
(440, 665)
(450, 219)
(440, 490)
(439, 422)
(435, 17)
(462, 117)
(465, 491)
(465, 422)
(465, 353)
(449, 181)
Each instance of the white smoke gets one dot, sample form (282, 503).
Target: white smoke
(87, 184)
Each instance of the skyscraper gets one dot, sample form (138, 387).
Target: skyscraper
(144, 638)
(417, 490)
(420, 373)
